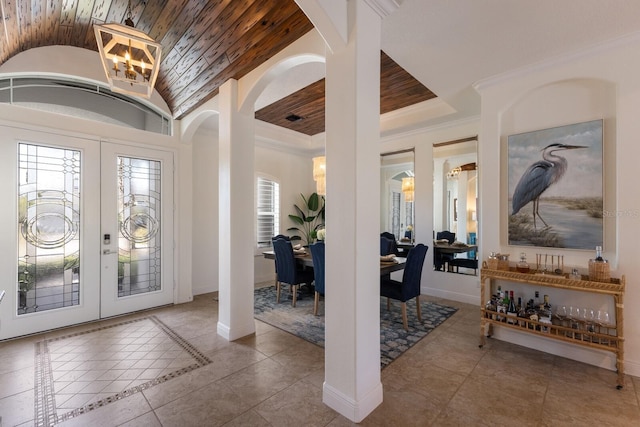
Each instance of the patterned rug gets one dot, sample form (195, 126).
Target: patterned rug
(301, 322)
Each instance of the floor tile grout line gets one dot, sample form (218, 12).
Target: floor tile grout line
(193, 351)
(44, 402)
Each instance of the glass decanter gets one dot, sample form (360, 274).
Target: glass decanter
(522, 266)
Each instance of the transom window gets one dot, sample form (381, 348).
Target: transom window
(85, 100)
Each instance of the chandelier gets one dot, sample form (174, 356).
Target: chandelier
(319, 174)
(408, 188)
(453, 173)
(130, 58)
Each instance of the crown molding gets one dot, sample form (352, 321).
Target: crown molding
(383, 8)
(555, 61)
(282, 139)
(424, 129)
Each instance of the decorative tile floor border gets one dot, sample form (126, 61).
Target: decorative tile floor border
(45, 407)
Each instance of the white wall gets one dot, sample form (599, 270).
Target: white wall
(599, 84)
(294, 172)
(205, 211)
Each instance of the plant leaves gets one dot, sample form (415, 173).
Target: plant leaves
(296, 219)
(313, 202)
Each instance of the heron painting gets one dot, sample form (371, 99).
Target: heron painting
(555, 187)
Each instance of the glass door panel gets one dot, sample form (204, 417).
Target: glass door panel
(137, 228)
(139, 221)
(49, 232)
(52, 257)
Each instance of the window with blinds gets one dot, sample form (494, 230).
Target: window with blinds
(268, 214)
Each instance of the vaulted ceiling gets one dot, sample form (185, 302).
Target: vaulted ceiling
(204, 43)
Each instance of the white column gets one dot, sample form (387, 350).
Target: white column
(352, 384)
(236, 216)
(439, 192)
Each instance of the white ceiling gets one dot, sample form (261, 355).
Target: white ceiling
(451, 44)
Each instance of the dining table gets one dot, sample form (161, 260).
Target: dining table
(304, 259)
(451, 248)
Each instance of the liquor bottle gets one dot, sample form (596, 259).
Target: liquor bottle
(522, 314)
(512, 312)
(499, 307)
(536, 301)
(547, 305)
(599, 254)
(505, 300)
(504, 305)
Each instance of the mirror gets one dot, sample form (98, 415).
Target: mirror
(396, 195)
(455, 196)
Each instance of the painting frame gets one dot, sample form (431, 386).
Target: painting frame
(555, 186)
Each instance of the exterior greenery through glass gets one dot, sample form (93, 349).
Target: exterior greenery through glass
(48, 228)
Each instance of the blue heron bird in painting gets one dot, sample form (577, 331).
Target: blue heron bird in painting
(540, 176)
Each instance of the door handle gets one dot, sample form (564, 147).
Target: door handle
(108, 252)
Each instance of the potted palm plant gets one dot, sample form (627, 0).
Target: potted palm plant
(309, 218)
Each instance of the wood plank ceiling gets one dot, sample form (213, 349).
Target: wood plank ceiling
(204, 43)
(303, 111)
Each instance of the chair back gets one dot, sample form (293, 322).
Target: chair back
(317, 255)
(394, 246)
(413, 271)
(386, 246)
(285, 262)
(281, 236)
(388, 235)
(451, 237)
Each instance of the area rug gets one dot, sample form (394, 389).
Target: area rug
(301, 322)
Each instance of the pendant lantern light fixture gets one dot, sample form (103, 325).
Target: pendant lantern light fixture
(130, 58)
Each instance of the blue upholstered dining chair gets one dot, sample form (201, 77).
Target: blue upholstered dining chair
(287, 270)
(274, 238)
(410, 286)
(317, 255)
(386, 246)
(394, 246)
(441, 259)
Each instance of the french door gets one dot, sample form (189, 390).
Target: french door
(62, 196)
(137, 228)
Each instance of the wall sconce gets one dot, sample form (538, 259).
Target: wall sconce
(130, 58)
(408, 188)
(319, 174)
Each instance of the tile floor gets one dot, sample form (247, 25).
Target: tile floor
(275, 379)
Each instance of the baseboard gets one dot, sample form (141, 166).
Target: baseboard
(454, 296)
(224, 331)
(349, 408)
(632, 368)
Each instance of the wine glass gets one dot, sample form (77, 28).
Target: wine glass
(590, 322)
(602, 318)
(574, 316)
(603, 321)
(561, 314)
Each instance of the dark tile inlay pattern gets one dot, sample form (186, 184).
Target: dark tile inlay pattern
(45, 395)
